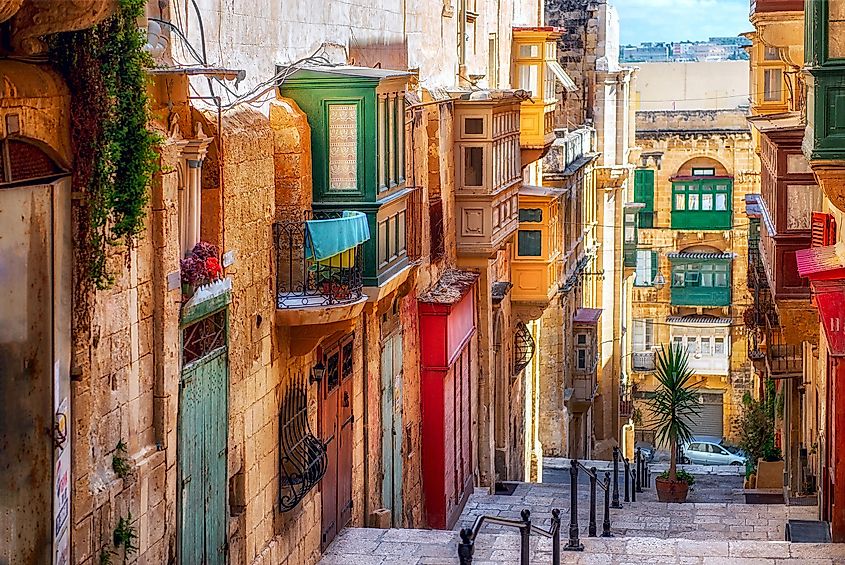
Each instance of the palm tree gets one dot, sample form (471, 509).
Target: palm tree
(674, 402)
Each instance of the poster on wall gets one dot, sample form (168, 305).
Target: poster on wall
(61, 494)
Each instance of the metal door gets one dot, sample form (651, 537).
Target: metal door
(391, 421)
(202, 442)
(709, 422)
(34, 374)
(336, 420)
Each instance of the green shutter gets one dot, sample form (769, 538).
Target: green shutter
(644, 194)
(654, 265)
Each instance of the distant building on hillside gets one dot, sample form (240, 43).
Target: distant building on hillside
(714, 49)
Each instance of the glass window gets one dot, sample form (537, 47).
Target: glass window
(692, 278)
(582, 339)
(706, 346)
(680, 201)
(721, 202)
(582, 359)
(473, 166)
(706, 201)
(772, 85)
(343, 147)
(529, 243)
(474, 126)
(692, 345)
(678, 341)
(645, 267)
(703, 171)
(528, 77)
(719, 346)
(771, 54)
(531, 50)
(678, 275)
(693, 201)
(801, 201)
(707, 275)
(530, 215)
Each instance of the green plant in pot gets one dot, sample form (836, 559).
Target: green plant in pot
(674, 404)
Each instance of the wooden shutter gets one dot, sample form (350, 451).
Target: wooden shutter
(823, 229)
(644, 193)
(654, 265)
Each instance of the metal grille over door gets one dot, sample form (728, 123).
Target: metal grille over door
(523, 347)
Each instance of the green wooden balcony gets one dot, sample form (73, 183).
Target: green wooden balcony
(701, 279)
(702, 203)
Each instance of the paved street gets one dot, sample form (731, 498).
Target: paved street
(722, 530)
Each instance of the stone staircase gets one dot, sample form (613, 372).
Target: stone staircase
(713, 528)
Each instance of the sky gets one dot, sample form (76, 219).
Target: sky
(675, 20)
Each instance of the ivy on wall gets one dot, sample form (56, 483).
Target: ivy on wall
(114, 152)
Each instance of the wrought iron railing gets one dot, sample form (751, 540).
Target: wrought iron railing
(783, 357)
(301, 281)
(523, 349)
(302, 457)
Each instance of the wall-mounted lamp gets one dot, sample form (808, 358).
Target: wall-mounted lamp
(317, 372)
(659, 280)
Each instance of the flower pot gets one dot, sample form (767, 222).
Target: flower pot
(671, 491)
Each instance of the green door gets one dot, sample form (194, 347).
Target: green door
(202, 442)
(391, 421)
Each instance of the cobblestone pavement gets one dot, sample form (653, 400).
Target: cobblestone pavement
(721, 531)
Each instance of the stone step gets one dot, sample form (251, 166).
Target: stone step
(359, 546)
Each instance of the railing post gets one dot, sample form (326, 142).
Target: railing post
(591, 531)
(627, 469)
(615, 502)
(634, 484)
(605, 527)
(639, 459)
(574, 543)
(465, 547)
(524, 538)
(555, 536)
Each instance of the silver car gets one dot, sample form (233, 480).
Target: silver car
(710, 452)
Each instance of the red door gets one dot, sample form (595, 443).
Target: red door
(336, 432)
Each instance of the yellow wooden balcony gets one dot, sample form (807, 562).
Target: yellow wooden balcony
(537, 72)
(536, 266)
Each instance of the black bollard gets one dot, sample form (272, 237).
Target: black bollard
(591, 532)
(574, 543)
(465, 547)
(627, 467)
(605, 527)
(524, 535)
(615, 502)
(639, 466)
(556, 537)
(634, 484)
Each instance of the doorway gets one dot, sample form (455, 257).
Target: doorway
(391, 425)
(202, 446)
(336, 418)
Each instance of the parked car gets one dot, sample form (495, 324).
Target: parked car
(712, 451)
(646, 450)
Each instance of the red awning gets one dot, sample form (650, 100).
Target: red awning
(587, 315)
(830, 300)
(822, 263)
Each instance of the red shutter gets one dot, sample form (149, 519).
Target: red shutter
(823, 229)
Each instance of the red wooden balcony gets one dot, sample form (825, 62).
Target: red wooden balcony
(762, 6)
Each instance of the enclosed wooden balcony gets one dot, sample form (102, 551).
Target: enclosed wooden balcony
(537, 72)
(701, 278)
(585, 357)
(488, 171)
(536, 268)
(769, 6)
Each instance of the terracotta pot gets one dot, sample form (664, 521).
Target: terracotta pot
(671, 491)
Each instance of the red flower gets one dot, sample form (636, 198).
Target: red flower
(212, 265)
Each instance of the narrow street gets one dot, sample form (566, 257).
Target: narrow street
(714, 527)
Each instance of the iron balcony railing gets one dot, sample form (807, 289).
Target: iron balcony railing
(643, 360)
(302, 281)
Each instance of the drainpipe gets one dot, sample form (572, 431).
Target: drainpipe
(366, 423)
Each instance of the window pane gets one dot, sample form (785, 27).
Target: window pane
(679, 201)
(532, 50)
(530, 215)
(703, 172)
(644, 267)
(772, 85)
(529, 243)
(692, 344)
(474, 126)
(706, 279)
(721, 280)
(528, 76)
(836, 29)
(706, 346)
(719, 346)
(473, 166)
(706, 201)
(582, 339)
(343, 147)
(693, 202)
(678, 276)
(771, 54)
(801, 201)
(721, 201)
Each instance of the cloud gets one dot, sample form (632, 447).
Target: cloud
(676, 20)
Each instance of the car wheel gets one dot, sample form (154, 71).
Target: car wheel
(736, 463)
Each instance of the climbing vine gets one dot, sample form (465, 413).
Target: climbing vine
(114, 152)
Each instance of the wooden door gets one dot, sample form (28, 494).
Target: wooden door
(391, 420)
(336, 419)
(203, 417)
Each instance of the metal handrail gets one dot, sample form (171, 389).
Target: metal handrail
(592, 473)
(466, 547)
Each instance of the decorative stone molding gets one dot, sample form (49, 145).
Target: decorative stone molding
(9, 8)
(831, 177)
(37, 18)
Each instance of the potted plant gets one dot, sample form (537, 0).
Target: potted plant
(674, 403)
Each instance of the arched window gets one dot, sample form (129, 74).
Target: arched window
(22, 161)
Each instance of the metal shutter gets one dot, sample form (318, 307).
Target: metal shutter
(709, 421)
